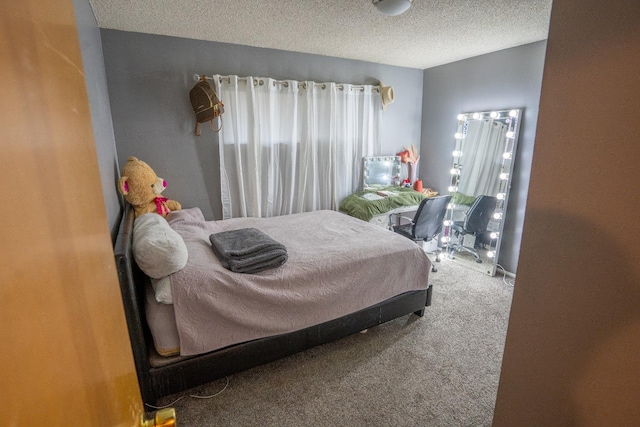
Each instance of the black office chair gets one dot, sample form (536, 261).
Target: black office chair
(427, 222)
(475, 223)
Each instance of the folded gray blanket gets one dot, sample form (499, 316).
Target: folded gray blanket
(247, 250)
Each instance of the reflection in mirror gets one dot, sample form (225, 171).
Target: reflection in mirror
(380, 171)
(483, 158)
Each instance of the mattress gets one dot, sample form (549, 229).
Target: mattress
(162, 324)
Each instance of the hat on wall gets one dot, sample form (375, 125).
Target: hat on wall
(386, 93)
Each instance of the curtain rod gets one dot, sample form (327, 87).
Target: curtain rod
(303, 85)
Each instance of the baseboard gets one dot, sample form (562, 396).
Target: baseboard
(504, 272)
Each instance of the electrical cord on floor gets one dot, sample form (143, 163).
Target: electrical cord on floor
(504, 276)
(190, 395)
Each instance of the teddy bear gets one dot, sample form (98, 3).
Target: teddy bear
(159, 251)
(141, 187)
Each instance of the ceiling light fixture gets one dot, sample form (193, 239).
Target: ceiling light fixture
(392, 7)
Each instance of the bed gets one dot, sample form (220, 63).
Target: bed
(386, 280)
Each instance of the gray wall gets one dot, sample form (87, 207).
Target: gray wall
(149, 78)
(95, 78)
(505, 79)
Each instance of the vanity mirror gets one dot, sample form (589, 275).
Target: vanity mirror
(380, 171)
(483, 158)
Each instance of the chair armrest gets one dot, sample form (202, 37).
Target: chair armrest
(399, 215)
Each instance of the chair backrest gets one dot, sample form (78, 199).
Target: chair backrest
(429, 217)
(479, 214)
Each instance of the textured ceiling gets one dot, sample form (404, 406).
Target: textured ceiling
(430, 33)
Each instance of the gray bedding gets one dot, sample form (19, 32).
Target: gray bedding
(336, 265)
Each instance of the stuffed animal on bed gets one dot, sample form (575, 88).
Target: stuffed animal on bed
(158, 250)
(141, 187)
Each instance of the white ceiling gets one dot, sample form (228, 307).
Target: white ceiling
(430, 33)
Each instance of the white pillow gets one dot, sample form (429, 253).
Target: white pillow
(157, 248)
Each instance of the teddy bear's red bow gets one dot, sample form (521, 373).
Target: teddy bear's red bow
(161, 205)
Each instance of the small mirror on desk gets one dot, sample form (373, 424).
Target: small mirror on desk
(380, 171)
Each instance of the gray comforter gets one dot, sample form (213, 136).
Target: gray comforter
(337, 265)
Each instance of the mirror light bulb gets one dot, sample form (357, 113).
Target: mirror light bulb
(453, 188)
(493, 235)
(497, 215)
(504, 175)
(445, 239)
(511, 134)
(513, 113)
(458, 135)
(506, 156)
(449, 206)
(457, 153)
(461, 116)
(446, 222)
(500, 196)
(494, 115)
(491, 254)
(454, 171)
(477, 116)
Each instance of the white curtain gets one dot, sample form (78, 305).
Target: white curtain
(482, 156)
(289, 147)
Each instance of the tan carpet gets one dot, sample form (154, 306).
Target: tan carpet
(439, 370)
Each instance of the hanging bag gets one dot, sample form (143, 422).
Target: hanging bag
(206, 104)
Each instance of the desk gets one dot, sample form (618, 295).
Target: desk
(384, 219)
(356, 205)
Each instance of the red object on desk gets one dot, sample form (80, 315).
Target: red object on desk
(418, 185)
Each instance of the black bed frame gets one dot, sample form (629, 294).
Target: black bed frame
(177, 374)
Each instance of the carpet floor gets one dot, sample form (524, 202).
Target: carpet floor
(439, 370)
